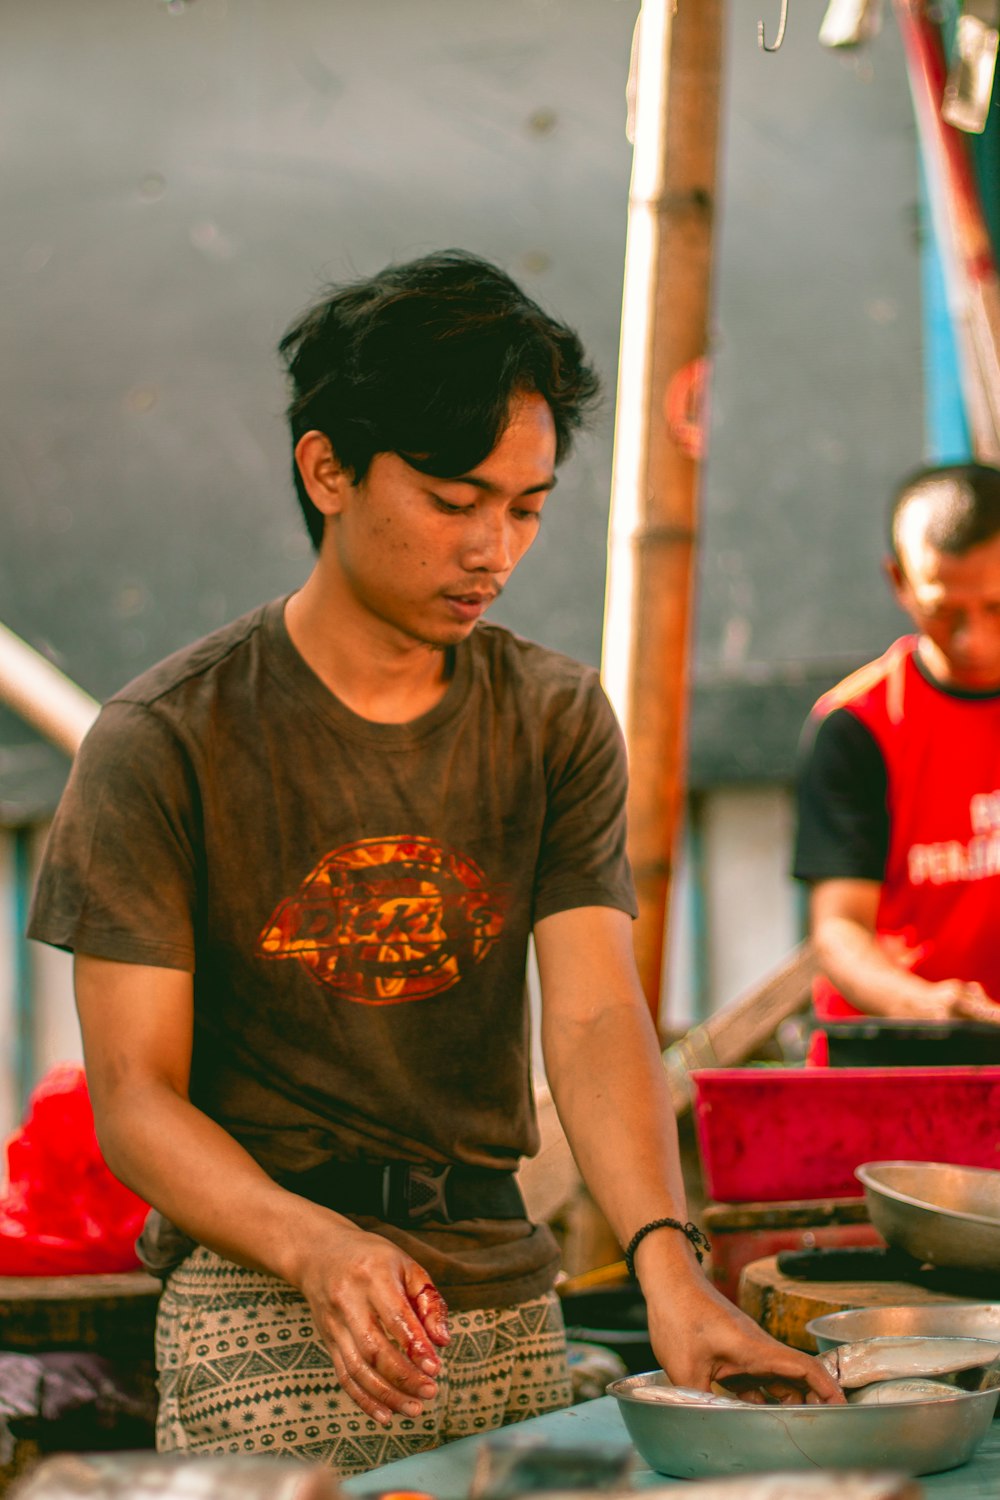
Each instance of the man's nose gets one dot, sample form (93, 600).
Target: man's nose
(976, 634)
(490, 548)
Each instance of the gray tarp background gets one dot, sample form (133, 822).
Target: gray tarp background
(179, 179)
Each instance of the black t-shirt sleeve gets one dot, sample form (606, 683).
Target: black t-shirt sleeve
(843, 820)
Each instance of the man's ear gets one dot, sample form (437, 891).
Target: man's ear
(894, 573)
(324, 477)
(897, 581)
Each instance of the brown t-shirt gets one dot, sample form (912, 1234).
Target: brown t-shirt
(353, 899)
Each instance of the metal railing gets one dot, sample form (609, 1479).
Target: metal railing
(44, 697)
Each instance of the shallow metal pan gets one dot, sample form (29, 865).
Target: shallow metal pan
(940, 1320)
(940, 1214)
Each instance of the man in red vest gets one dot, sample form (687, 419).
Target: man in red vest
(899, 789)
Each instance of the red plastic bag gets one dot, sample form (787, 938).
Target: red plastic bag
(64, 1213)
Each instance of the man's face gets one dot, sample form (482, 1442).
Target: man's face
(954, 601)
(424, 557)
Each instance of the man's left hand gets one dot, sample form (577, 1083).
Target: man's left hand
(700, 1338)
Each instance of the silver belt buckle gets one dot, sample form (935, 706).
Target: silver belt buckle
(426, 1194)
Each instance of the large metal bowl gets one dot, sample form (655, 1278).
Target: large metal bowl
(693, 1442)
(936, 1320)
(936, 1212)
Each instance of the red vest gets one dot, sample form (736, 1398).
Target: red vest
(939, 913)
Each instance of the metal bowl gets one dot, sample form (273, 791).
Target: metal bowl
(936, 1320)
(693, 1442)
(936, 1212)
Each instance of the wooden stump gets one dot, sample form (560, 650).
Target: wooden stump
(783, 1305)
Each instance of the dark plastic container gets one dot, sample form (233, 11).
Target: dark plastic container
(872, 1043)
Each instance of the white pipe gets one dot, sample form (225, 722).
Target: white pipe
(45, 698)
(628, 482)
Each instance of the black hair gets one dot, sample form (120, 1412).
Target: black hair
(423, 360)
(963, 506)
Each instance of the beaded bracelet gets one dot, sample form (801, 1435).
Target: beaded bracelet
(689, 1230)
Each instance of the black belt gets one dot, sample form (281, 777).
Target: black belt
(405, 1194)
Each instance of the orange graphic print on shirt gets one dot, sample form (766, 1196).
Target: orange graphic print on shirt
(384, 921)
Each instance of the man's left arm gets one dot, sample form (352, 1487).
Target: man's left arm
(604, 1067)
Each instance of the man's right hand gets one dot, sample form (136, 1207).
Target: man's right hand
(374, 1307)
(961, 1000)
(381, 1318)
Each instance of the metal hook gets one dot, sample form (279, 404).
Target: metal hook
(782, 23)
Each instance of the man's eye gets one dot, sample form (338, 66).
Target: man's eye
(449, 508)
(528, 515)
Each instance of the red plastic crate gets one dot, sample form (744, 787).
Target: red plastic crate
(770, 1134)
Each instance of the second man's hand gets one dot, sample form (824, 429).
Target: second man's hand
(964, 1000)
(381, 1318)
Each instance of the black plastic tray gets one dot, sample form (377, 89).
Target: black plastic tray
(872, 1043)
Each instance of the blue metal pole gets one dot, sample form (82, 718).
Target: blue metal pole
(946, 427)
(24, 1009)
(700, 950)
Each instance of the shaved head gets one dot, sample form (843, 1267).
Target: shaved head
(945, 571)
(951, 508)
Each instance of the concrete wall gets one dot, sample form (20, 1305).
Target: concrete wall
(816, 406)
(178, 182)
(179, 179)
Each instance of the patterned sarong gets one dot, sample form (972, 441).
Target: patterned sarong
(241, 1370)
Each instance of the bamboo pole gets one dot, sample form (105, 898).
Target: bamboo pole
(668, 260)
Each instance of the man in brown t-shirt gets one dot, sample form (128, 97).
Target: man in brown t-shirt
(299, 863)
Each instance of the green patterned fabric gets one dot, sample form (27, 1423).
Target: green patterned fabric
(243, 1371)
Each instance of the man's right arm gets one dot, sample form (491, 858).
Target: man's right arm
(366, 1295)
(842, 844)
(842, 918)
